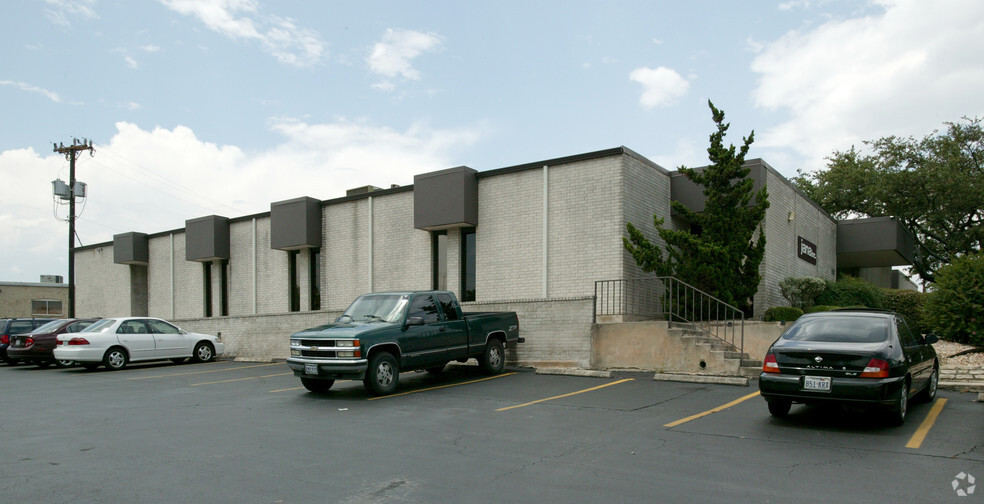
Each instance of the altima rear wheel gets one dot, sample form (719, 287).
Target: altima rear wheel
(929, 393)
(901, 405)
(779, 409)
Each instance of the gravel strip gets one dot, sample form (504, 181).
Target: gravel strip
(947, 348)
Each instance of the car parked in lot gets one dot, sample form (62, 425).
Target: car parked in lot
(12, 326)
(382, 333)
(115, 342)
(38, 346)
(852, 357)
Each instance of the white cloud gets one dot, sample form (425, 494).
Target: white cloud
(23, 86)
(894, 73)
(392, 56)
(61, 12)
(155, 180)
(661, 86)
(151, 48)
(241, 19)
(130, 62)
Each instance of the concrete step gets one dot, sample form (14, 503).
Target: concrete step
(750, 371)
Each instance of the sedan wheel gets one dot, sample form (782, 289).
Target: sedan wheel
(901, 405)
(64, 363)
(779, 409)
(929, 393)
(115, 359)
(203, 353)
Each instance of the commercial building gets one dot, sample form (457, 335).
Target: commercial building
(532, 238)
(47, 298)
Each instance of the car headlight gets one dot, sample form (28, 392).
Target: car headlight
(295, 353)
(295, 342)
(347, 343)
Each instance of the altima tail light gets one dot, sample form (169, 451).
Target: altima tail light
(78, 341)
(769, 365)
(876, 368)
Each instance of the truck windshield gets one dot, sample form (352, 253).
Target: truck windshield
(377, 307)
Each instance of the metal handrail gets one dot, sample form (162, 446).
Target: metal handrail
(668, 298)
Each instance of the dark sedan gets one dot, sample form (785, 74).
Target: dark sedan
(853, 357)
(38, 346)
(10, 327)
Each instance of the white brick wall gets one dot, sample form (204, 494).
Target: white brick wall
(102, 288)
(781, 254)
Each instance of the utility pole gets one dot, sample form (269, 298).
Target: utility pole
(71, 153)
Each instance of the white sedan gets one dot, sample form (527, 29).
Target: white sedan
(117, 341)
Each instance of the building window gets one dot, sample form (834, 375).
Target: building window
(314, 271)
(46, 307)
(224, 289)
(439, 260)
(468, 264)
(295, 282)
(207, 277)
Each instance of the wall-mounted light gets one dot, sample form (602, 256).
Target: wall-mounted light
(792, 215)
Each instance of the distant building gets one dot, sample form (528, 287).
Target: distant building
(47, 298)
(531, 238)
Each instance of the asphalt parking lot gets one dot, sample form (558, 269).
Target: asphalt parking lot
(248, 432)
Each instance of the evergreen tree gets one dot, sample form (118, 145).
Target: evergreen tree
(720, 252)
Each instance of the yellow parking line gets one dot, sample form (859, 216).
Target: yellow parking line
(440, 387)
(710, 411)
(209, 371)
(240, 379)
(565, 395)
(920, 435)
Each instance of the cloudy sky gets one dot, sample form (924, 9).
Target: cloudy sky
(201, 107)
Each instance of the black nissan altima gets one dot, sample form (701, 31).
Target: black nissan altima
(857, 357)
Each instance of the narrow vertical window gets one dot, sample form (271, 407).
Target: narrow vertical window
(207, 277)
(224, 288)
(295, 284)
(439, 260)
(468, 264)
(314, 271)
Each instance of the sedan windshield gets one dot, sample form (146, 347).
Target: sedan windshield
(846, 329)
(99, 326)
(377, 307)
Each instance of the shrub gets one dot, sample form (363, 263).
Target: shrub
(909, 304)
(801, 291)
(954, 309)
(819, 308)
(851, 291)
(782, 314)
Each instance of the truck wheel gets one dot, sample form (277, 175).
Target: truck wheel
(494, 359)
(317, 386)
(382, 375)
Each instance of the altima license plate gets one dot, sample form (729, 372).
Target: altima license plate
(311, 369)
(818, 383)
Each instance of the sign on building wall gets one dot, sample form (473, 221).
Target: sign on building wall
(806, 250)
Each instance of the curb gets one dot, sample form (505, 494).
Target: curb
(740, 381)
(574, 372)
(963, 386)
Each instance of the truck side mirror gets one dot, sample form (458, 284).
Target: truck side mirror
(412, 321)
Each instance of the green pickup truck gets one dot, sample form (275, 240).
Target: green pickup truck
(383, 333)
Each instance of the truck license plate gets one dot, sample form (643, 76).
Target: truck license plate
(311, 369)
(817, 383)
